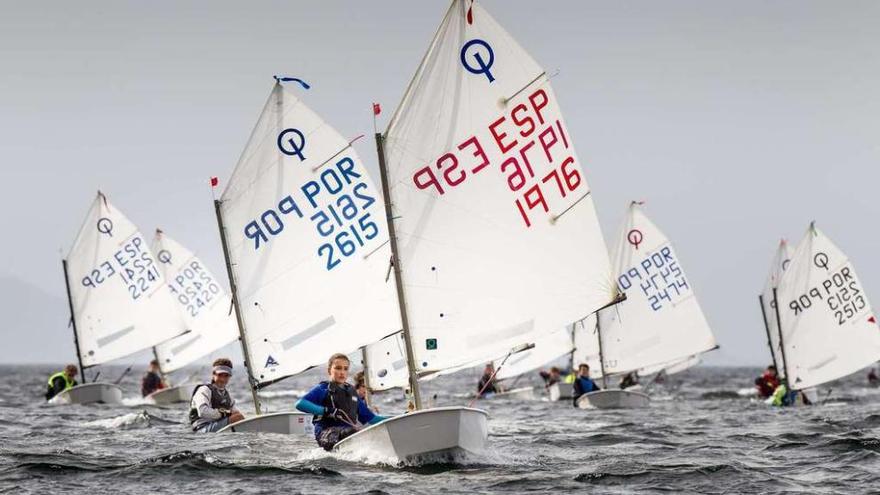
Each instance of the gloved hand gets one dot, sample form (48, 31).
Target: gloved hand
(225, 412)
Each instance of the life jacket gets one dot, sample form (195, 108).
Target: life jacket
(68, 383)
(779, 396)
(67, 380)
(220, 399)
(343, 397)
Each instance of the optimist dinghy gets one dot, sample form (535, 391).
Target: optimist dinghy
(306, 252)
(118, 300)
(659, 323)
(614, 399)
(492, 226)
(827, 329)
(90, 393)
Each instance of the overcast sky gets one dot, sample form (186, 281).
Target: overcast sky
(738, 123)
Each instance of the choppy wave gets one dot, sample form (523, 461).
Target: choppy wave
(141, 419)
(709, 436)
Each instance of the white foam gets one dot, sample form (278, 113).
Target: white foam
(124, 421)
(136, 401)
(747, 392)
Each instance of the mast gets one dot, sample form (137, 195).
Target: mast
(573, 349)
(368, 395)
(767, 328)
(781, 342)
(82, 371)
(398, 277)
(601, 352)
(234, 289)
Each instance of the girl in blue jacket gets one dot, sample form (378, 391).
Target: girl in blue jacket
(338, 410)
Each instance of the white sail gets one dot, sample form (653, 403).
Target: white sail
(661, 320)
(120, 302)
(586, 346)
(549, 346)
(307, 243)
(673, 367)
(828, 327)
(780, 263)
(498, 235)
(386, 363)
(205, 305)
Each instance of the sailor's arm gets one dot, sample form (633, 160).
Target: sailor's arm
(367, 416)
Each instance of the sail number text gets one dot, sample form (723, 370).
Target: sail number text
(134, 266)
(529, 146)
(840, 292)
(194, 288)
(337, 203)
(659, 277)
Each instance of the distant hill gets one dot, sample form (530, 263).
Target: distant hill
(34, 324)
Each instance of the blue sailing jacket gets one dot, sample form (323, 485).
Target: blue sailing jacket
(313, 401)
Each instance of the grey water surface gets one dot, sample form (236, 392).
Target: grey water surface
(699, 436)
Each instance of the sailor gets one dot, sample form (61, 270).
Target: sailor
(630, 380)
(873, 379)
(152, 380)
(487, 384)
(583, 384)
(551, 377)
(62, 381)
(360, 386)
(768, 382)
(339, 411)
(211, 407)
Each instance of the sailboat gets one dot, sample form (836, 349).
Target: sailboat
(306, 251)
(119, 304)
(661, 320)
(827, 327)
(492, 227)
(206, 310)
(767, 300)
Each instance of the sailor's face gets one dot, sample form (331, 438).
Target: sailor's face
(221, 379)
(339, 370)
(585, 372)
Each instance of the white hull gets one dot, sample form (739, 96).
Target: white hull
(172, 395)
(284, 423)
(613, 399)
(90, 393)
(523, 393)
(561, 391)
(440, 434)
